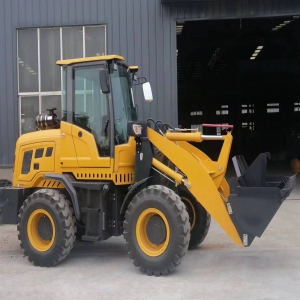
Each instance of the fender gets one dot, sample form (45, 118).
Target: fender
(67, 182)
(134, 188)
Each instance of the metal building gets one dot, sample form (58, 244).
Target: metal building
(36, 33)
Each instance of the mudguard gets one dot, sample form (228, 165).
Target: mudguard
(132, 191)
(67, 182)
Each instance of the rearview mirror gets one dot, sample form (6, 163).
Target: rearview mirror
(104, 81)
(147, 92)
(139, 80)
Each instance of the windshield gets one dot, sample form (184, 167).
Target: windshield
(124, 107)
(91, 106)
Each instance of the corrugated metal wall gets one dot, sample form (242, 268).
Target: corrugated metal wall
(143, 31)
(139, 30)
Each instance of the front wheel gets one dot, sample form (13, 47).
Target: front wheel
(156, 230)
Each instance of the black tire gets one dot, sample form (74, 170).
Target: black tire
(167, 203)
(199, 219)
(60, 215)
(80, 226)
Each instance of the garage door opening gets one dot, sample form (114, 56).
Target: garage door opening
(246, 73)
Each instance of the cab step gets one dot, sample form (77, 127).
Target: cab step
(91, 238)
(90, 210)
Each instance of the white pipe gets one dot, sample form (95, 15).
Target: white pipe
(212, 137)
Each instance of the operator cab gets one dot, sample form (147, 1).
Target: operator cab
(99, 98)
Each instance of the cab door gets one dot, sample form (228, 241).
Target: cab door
(87, 149)
(90, 128)
(68, 156)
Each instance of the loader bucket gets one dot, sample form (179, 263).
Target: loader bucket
(255, 197)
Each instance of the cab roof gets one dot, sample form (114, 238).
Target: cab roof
(89, 59)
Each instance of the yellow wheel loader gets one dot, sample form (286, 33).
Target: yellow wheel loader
(99, 172)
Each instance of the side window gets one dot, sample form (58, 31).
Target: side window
(91, 109)
(39, 153)
(26, 162)
(49, 152)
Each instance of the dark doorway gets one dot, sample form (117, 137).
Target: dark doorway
(246, 73)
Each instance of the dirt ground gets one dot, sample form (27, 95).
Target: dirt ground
(269, 269)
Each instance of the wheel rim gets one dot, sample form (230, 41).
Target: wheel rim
(35, 238)
(191, 211)
(145, 244)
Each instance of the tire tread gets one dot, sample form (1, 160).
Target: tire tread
(65, 211)
(180, 213)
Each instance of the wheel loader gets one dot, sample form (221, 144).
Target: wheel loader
(99, 171)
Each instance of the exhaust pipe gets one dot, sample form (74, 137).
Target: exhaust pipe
(47, 121)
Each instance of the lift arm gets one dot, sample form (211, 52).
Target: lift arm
(199, 181)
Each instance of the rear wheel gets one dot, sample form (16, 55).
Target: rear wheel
(46, 228)
(80, 226)
(156, 230)
(199, 219)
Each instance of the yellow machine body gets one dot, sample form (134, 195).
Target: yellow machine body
(80, 158)
(71, 155)
(103, 172)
